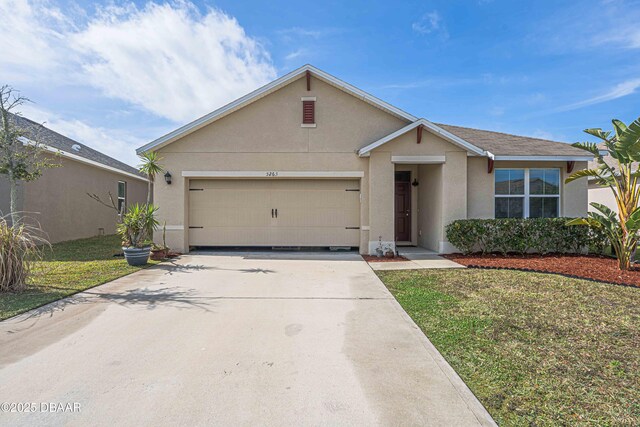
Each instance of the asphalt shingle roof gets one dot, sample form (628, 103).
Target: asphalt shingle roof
(55, 140)
(504, 144)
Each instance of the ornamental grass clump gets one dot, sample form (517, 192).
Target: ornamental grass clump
(19, 247)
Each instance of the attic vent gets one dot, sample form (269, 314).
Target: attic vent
(76, 147)
(308, 112)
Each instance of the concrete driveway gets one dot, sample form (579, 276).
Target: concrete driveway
(231, 339)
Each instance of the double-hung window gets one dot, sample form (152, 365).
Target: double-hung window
(527, 193)
(122, 196)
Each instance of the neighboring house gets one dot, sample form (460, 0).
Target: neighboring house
(603, 195)
(58, 200)
(310, 160)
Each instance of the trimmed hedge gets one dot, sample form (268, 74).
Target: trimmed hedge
(524, 235)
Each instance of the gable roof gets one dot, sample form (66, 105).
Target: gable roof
(264, 91)
(504, 146)
(500, 146)
(55, 142)
(438, 130)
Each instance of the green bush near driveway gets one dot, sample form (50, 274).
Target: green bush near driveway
(536, 349)
(524, 235)
(68, 268)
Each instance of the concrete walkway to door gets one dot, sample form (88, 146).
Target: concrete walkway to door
(417, 259)
(233, 339)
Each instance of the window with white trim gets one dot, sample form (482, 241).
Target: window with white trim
(122, 196)
(527, 193)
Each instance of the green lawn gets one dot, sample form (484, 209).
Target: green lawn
(66, 269)
(536, 349)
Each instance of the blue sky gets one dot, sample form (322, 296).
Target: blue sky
(119, 74)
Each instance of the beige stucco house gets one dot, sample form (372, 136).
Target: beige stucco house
(58, 200)
(310, 160)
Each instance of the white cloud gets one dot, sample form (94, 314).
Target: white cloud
(295, 54)
(116, 143)
(625, 88)
(626, 38)
(33, 38)
(430, 22)
(544, 134)
(170, 59)
(314, 33)
(610, 25)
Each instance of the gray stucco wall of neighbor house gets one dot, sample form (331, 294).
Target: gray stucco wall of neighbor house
(58, 201)
(5, 197)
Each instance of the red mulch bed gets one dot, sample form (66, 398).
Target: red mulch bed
(370, 258)
(598, 268)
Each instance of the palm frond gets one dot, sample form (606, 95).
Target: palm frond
(594, 173)
(606, 211)
(633, 221)
(630, 138)
(598, 133)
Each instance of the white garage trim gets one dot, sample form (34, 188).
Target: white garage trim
(273, 174)
(274, 212)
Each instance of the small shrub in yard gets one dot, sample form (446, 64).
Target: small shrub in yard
(524, 235)
(19, 246)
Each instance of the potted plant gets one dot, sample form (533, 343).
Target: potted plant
(159, 252)
(136, 230)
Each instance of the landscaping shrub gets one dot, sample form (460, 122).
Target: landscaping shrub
(19, 246)
(524, 235)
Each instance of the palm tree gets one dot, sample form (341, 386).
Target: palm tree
(150, 166)
(621, 176)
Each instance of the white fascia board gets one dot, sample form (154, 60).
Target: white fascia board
(273, 174)
(363, 152)
(545, 158)
(418, 160)
(265, 90)
(81, 159)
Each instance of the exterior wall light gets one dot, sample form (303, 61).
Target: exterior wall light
(415, 182)
(167, 178)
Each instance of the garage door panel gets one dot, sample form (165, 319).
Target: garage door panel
(324, 217)
(239, 212)
(225, 218)
(327, 236)
(230, 236)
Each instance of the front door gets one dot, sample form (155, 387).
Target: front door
(403, 207)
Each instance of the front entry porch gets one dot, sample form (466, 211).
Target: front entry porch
(413, 198)
(418, 207)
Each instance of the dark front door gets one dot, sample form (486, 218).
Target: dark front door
(403, 207)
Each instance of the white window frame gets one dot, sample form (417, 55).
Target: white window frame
(526, 194)
(124, 198)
